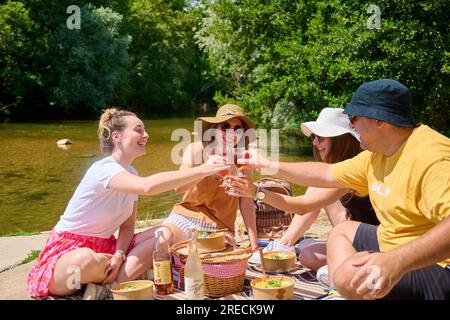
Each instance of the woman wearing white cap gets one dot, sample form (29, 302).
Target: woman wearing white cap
(333, 141)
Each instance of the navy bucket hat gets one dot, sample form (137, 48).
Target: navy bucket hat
(385, 100)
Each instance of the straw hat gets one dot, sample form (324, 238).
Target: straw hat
(331, 122)
(224, 113)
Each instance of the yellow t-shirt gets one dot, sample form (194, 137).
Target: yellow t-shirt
(410, 190)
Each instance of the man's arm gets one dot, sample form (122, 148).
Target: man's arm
(427, 250)
(314, 174)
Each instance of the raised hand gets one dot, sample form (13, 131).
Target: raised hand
(242, 187)
(252, 159)
(214, 164)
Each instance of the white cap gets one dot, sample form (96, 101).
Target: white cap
(331, 122)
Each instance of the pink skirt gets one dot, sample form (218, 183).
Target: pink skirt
(58, 244)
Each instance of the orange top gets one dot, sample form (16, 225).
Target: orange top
(209, 202)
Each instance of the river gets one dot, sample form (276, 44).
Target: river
(38, 178)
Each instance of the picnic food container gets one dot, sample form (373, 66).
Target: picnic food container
(133, 290)
(273, 288)
(208, 241)
(224, 271)
(279, 261)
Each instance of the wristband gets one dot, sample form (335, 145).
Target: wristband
(122, 255)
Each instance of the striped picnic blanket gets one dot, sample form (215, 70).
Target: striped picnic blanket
(306, 285)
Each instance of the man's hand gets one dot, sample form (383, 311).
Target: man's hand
(378, 274)
(252, 159)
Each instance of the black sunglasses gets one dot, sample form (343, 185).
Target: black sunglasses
(313, 136)
(226, 126)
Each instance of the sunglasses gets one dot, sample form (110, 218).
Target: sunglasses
(226, 126)
(352, 119)
(313, 136)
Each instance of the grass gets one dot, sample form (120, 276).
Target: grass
(21, 233)
(31, 256)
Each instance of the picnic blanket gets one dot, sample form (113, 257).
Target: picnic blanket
(306, 285)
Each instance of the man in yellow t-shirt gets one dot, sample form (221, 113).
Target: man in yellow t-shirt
(405, 170)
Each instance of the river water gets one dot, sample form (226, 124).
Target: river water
(38, 178)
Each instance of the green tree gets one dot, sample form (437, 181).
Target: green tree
(166, 62)
(88, 61)
(48, 70)
(19, 56)
(286, 60)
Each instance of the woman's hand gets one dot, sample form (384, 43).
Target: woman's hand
(114, 267)
(242, 187)
(213, 165)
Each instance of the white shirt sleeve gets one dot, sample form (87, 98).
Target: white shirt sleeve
(107, 171)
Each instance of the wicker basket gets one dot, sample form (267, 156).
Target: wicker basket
(272, 222)
(224, 271)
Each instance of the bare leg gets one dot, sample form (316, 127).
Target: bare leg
(299, 224)
(340, 246)
(314, 256)
(80, 266)
(344, 275)
(297, 228)
(140, 258)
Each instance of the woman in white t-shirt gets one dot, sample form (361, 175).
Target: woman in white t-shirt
(82, 247)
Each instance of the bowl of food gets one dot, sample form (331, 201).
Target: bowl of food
(273, 288)
(133, 290)
(210, 241)
(279, 261)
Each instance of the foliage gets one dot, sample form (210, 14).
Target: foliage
(133, 53)
(307, 55)
(166, 66)
(88, 61)
(32, 255)
(282, 60)
(19, 73)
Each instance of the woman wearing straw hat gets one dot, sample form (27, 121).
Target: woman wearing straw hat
(333, 141)
(206, 204)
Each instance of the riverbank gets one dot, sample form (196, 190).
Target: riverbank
(14, 273)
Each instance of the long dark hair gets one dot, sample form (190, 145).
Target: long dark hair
(343, 147)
